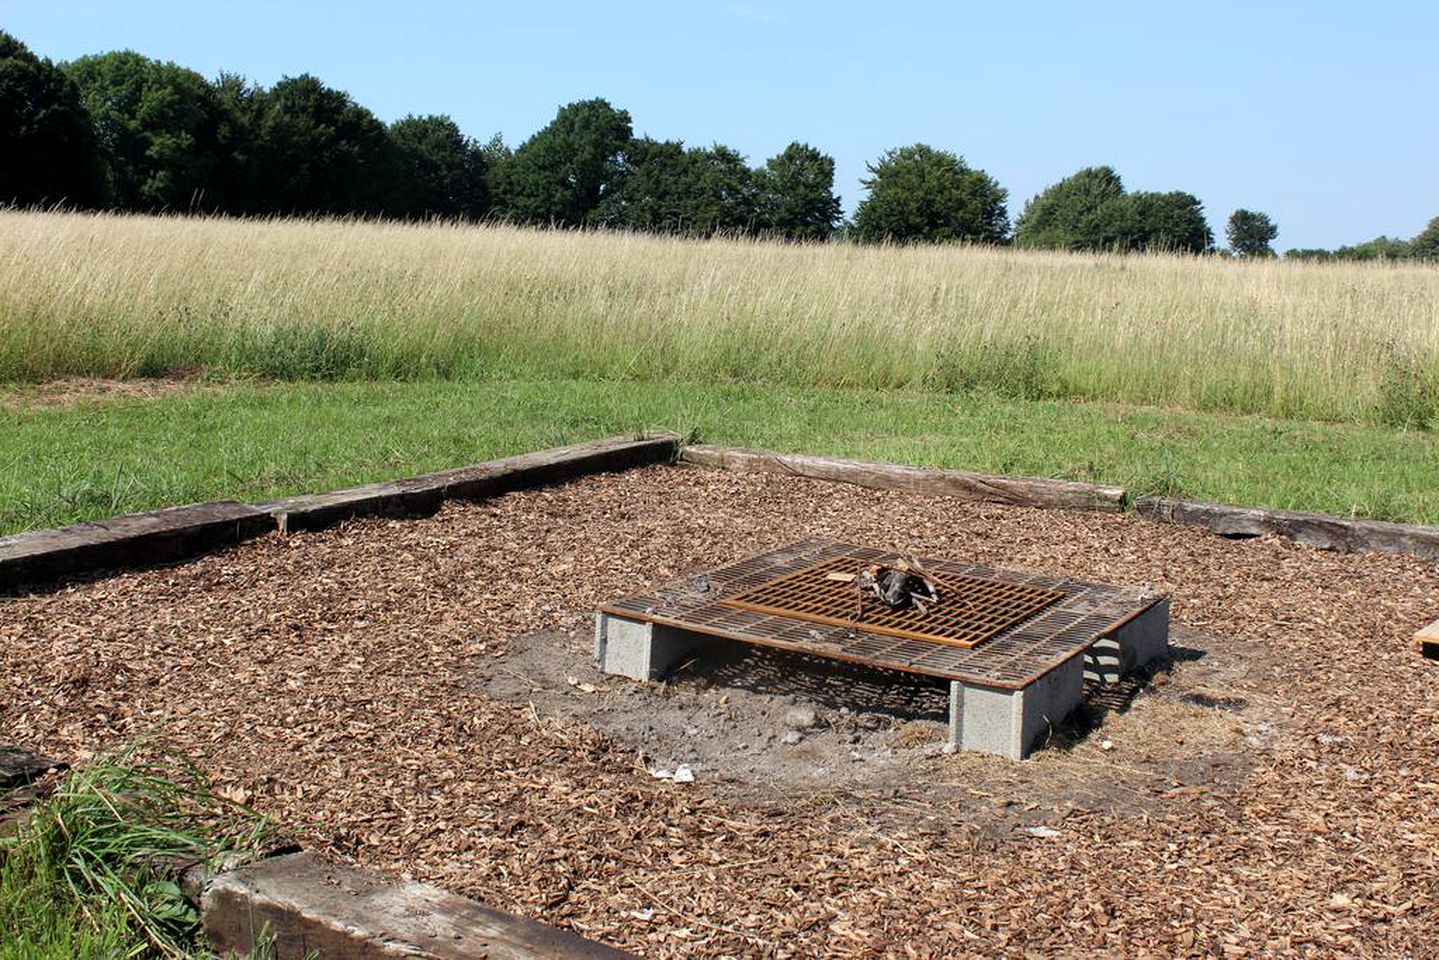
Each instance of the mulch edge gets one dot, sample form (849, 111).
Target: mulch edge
(41, 558)
(1326, 532)
(1016, 491)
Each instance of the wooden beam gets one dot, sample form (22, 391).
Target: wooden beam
(19, 767)
(1018, 491)
(19, 792)
(1313, 529)
(42, 557)
(135, 540)
(1428, 640)
(310, 907)
(422, 495)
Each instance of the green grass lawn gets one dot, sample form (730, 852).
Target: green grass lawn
(100, 457)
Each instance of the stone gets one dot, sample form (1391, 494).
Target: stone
(800, 717)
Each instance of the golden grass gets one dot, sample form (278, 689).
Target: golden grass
(123, 296)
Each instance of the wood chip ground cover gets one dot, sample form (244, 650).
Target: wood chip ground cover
(328, 680)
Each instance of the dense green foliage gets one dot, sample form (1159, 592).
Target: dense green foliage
(158, 128)
(662, 187)
(1426, 245)
(563, 173)
(443, 172)
(1171, 222)
(918, 193)
(1090, 210)
(796, 194)
(47, 145)
(1250, 234)
(317, 151)
(1084, 211)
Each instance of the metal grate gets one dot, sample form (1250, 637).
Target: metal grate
(1016, 656)
(970, 610)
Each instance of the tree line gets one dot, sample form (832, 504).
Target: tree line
(1423, 246)
(122, 131)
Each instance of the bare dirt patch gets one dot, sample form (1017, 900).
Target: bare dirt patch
(72, 391)
(755, 725)
(1276, 790)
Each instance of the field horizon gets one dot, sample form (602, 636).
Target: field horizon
(123, 296)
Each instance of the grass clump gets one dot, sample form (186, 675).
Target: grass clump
(94, 871)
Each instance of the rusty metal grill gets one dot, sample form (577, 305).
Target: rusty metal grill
(1013, 657)
(970, 609)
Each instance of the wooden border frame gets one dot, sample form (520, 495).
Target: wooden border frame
(41, 558)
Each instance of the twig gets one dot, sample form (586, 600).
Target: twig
(534, 688)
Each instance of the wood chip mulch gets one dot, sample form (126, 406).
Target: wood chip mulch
(322, 679)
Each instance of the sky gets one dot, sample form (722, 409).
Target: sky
(1321, 114)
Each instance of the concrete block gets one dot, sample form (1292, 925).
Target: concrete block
(640, 650)
(1008, 723)
(1131, 646)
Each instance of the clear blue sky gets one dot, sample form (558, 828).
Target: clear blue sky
(1321, 114)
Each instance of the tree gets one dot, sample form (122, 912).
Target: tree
(157, 124)
(442, 170)
(796, 194)
(1090, 210)
(563, 173)
(720, 194)
(1084, 211)
(1250, 234)
(1380, 248)
(317, 151)
(1170, 222)
(236, 175)
(47, 147)
(920, 193)
(650, 188)
(661, 187)
(1426, 245)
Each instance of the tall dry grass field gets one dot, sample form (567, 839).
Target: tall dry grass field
(122, 296)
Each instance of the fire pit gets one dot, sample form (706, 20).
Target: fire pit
(1015, 647)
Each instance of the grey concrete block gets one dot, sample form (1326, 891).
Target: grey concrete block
(640, 650)
(1131, 646)
(1008, 723)
(1048, 701)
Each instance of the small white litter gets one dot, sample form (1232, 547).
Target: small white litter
(680, 774)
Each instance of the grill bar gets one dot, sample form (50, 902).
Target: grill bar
(970, 609)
